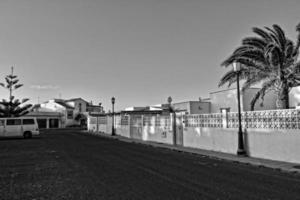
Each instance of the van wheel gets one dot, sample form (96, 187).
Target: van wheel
(27, 134)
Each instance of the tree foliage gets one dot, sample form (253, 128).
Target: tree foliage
(13, 107)
(270, 59)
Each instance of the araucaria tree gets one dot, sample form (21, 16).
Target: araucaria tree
(13, 107)
(269, 59)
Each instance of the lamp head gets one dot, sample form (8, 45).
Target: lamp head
(236, 67)
(113, 99)
(169, 99)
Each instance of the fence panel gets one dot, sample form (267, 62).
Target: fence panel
(204, 120)
(266, 119)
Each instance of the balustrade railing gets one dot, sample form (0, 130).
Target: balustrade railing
(268, 119)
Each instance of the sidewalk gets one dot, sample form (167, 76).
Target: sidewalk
(277, 165)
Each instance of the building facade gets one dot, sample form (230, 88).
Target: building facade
(71, 112)
(192, 107)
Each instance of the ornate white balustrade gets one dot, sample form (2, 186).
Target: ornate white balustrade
(269, 119)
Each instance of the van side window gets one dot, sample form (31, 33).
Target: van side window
(28, 121)
(1, 122)
(12, 122)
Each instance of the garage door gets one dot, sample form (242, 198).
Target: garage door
(42, 123)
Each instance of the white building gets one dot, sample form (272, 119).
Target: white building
(227, 99)
(71, 112)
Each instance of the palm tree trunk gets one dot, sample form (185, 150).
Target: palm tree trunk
(283, 98)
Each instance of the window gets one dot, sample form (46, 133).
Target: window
(80, 107)
(28, 121)
(13, 122)
(1, 122)
(93, 120)
(70, 114)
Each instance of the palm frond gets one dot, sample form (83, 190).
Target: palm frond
(298, 27)
(251, 64)
(262, 92)
(296, 50)
(289, 49)
(274, 55)
(230, 77)
(273, 35)
(263, 34)
(280, 35)
(242, 49)
(254, 42)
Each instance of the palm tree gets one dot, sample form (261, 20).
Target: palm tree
(270, 59)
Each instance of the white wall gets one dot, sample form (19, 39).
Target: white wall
(269, 102)
(223, 99)
(193, 107)
(215, 139)
(123, 130)
(199, 107)
(280, 145)
(273, 144)
(228, 99)
(157, 134)
(51, 105)
(294, 97)
(76, 103)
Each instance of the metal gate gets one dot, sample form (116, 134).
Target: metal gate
(136, 126)
(179, 130)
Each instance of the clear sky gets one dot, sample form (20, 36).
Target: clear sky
(140, 51)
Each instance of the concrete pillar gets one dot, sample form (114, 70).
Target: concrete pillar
(59, 124)
(47, 122)
(97, 129)
(129, 127)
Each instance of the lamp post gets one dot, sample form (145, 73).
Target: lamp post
(113, 116)
(172, 110)
(241, 149)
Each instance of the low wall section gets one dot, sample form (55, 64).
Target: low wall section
(281, 145)
(157, 134)
(215, 139)
(123, 130)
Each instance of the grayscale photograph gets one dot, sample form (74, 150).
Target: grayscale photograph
(149, 100)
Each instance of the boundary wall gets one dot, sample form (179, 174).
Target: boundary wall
(273, 135)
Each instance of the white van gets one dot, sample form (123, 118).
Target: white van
(23, 126)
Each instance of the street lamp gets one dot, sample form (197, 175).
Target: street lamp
(113, 116)
(172, 110)
(241, 149)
